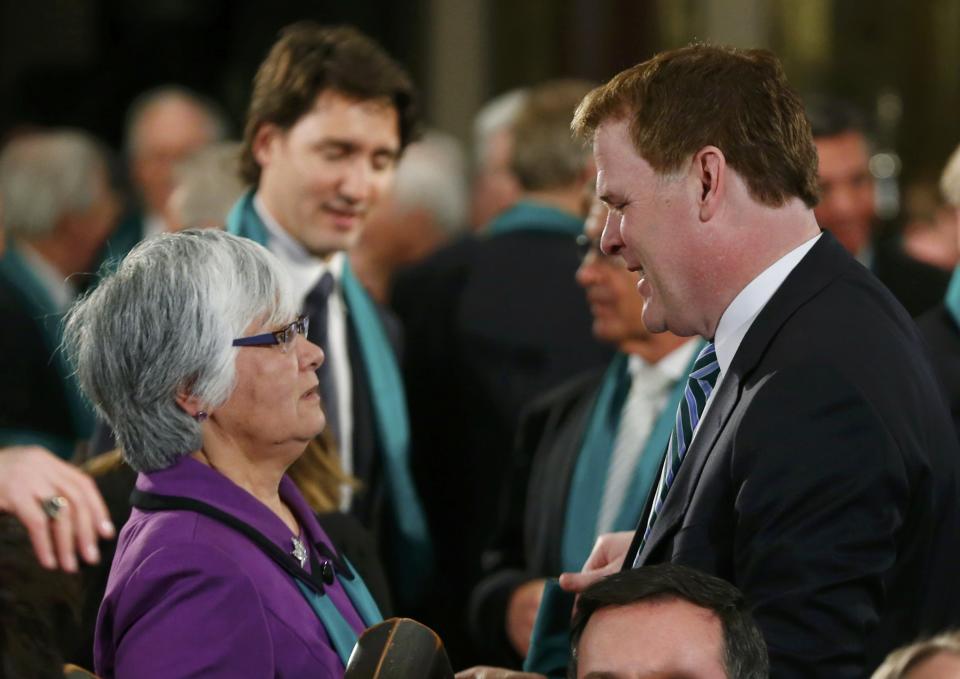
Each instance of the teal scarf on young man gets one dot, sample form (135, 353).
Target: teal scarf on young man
(530, 216)
(18, 272)
(414, 554)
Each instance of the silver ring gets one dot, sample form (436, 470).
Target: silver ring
(53, 505)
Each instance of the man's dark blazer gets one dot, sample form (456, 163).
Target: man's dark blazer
(824, 480)
(917, 285)
(534, 504)
(489, 324)
(33, 396)
(943, 337)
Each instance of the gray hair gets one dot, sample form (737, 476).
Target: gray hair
(432, 175)
(950, 180)
(216, 119)
(207, 184)
(163, 325)
(497, 114)
(46, 175)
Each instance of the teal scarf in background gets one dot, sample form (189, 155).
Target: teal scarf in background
(952, 300)
(529, 216)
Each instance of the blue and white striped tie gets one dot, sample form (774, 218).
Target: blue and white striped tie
(700, 384)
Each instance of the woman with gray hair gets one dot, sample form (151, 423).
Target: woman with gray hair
(194, 354)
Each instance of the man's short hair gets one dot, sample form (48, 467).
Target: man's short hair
(545, 155)
(735, 99)
(830, 117)
(308, 59)
(744, 650)
(902, 660)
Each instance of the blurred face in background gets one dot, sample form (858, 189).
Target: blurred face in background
(847, 205)
(166, 133)
(321, 177)
(611, 288)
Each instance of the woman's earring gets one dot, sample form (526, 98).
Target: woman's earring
(200, 416)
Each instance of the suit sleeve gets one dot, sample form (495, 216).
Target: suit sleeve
(190, 611)
(820, 495)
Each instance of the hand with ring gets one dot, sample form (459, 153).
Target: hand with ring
(59, 505)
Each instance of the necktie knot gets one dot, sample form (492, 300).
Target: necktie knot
(321, 291)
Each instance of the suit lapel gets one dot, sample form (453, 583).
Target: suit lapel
(825, 262)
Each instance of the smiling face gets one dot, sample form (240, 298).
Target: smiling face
(320, 178)
(275, 399)
(652, 224)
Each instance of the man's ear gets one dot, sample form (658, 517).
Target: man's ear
(263, 141)
(710, 170)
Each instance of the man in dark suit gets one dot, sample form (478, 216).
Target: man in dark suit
(320, 156)
(585, 452)
(813, 463)
(941, 325)
(508, 322)
(848, 210)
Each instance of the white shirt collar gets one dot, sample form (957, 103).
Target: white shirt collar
(673, 366)
(739, 316)
(305, 268)
(62, 291)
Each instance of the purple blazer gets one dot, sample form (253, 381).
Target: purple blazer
(190, 597)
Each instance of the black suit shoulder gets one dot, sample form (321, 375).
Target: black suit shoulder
(943, 338)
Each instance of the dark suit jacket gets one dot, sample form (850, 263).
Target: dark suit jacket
(917, 285)
(943, 337)
(529, 537)
(32, 391)
(825, 479)
(490, 323)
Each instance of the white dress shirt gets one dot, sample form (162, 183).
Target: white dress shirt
(650, 388)
(744, 309)
(305, 271)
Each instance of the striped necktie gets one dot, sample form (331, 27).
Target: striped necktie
(700, 384)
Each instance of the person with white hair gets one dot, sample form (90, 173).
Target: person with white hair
(164, 126)
(941, 325)
(495, 186)
(426, 208)
(58, 210)
(195, 353)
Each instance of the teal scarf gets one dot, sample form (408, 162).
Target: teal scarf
(17, 271)
(414, 554)
(339, 630)
(590, 475)
(529, 216)
(952, 301)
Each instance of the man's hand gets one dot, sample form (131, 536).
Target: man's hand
(29, 475)
(522, 613)
(606, 558)
(495, 673)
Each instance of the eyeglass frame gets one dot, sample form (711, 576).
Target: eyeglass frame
(284, 337)
(587, 246)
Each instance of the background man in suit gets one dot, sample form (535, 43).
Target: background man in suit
(59, 208)
(813, 464)
(330, 114)
(848, 206)
(508, 323)
(586, 451)
(164, 126)
(941, 325)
